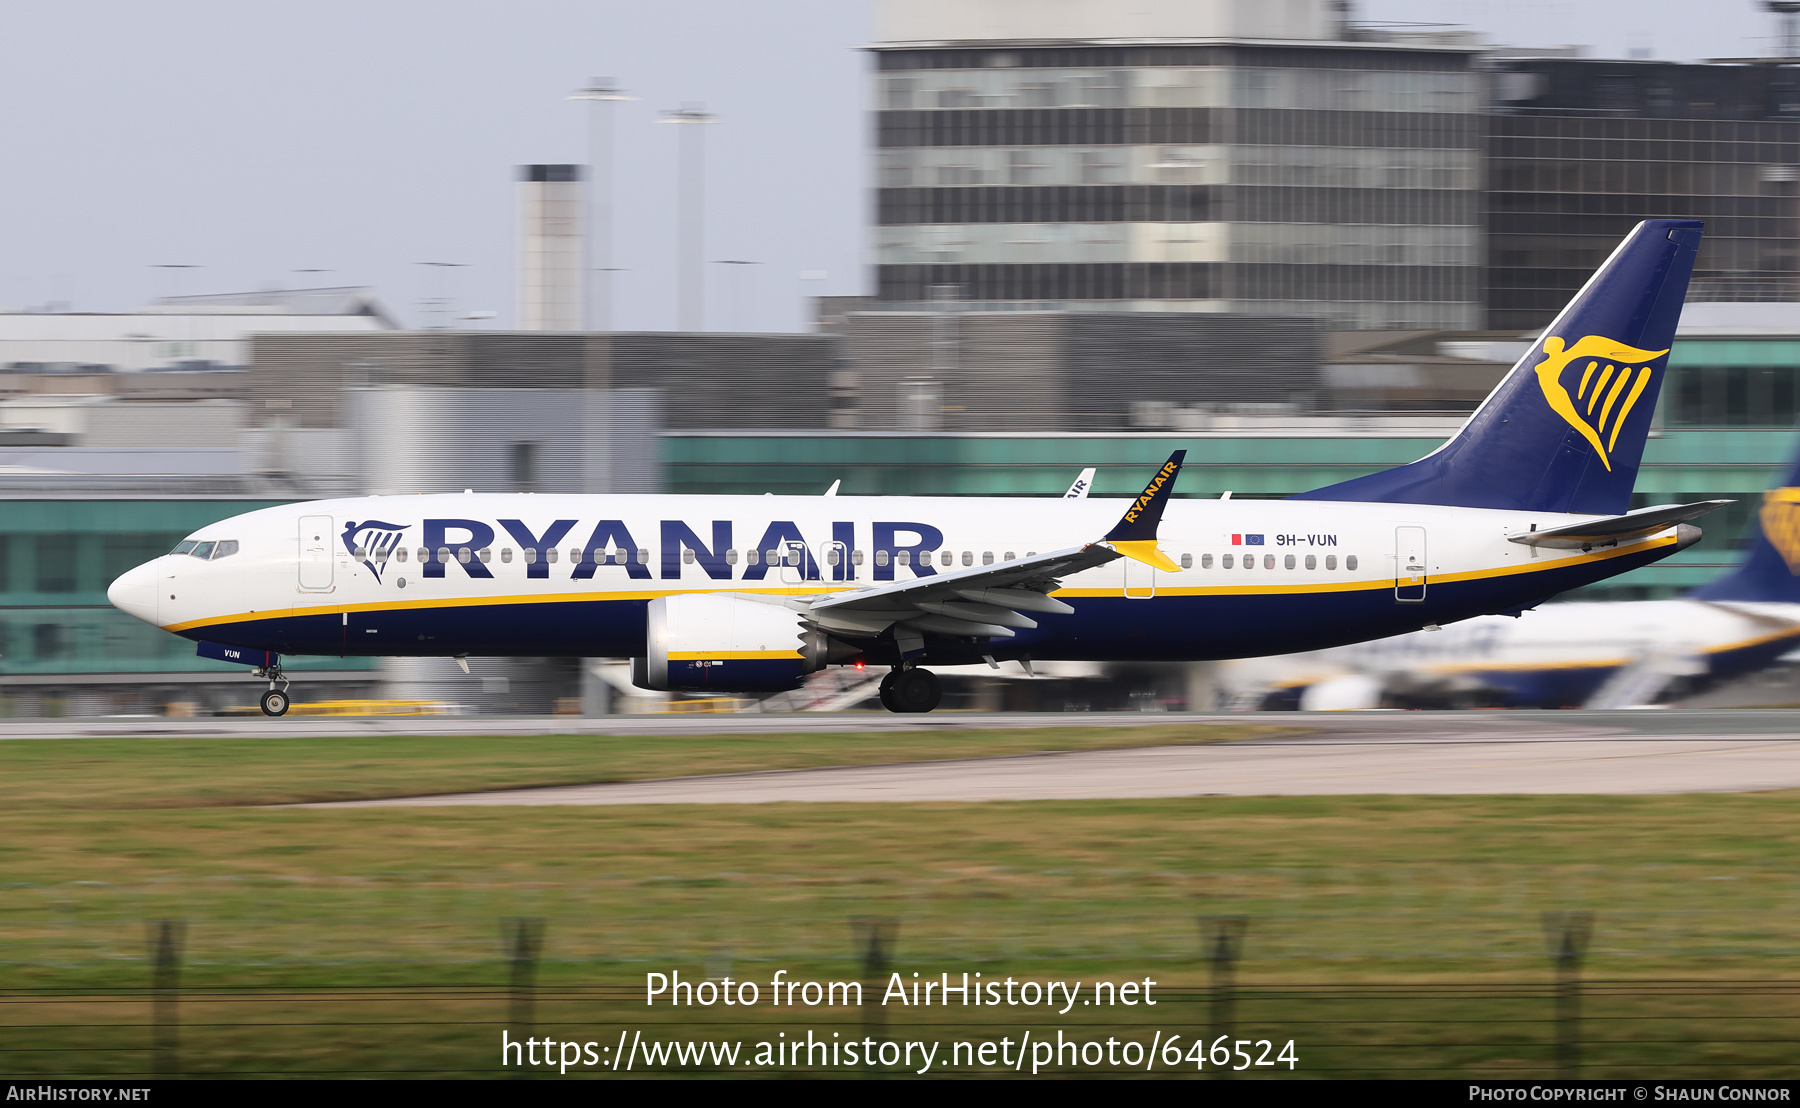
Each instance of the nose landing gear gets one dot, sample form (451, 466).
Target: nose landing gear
(275, 701)
(910, 690)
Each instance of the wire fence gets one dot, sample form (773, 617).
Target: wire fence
(1486, 971)
(1657, 917)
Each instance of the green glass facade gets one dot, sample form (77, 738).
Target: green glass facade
(56, 559)
(1733, 383)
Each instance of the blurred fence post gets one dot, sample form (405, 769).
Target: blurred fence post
(1566, 935)
(165, 941)
(523, 939)
(874, 938)
(1222, 940)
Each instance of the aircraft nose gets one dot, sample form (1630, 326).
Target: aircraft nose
(134, 593)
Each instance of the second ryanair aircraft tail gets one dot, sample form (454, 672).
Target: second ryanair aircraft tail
(1770, 571)
(1565, 430)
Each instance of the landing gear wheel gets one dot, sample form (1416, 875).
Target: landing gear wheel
(887, 691)
(916, 690)
(274, 703)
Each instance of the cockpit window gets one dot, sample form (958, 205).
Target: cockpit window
(203, 551)
(225, 549)
(184, 546)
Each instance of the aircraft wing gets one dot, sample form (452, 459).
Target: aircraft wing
(992, 601)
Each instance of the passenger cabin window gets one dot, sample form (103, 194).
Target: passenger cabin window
(1225, 560)
(687, 557)
(752, 557)
(486, 554)
(359, 552)
(903, 558)
(1331, 561)
(731, 557)
(856, 557)
(832, 556)
(400, 554)
(945, 558)
(881, 557)
(968, 557)
(1350, 562)
(1312, 562)
(1206, 561)
(987, 557)
(505, 554)
(1288, 562)
(1009, 556)
(184, 546)
(1187, 561)
(225, 549)
(1269, 561)
(202, 551)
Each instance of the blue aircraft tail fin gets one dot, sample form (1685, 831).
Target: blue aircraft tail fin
(1565, 429)
(1770, 570)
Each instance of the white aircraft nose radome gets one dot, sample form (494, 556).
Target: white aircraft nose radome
(135, 592)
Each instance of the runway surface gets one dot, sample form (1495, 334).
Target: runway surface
(257, 727)
(1410, 753)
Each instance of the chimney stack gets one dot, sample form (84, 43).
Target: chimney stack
(550, 207)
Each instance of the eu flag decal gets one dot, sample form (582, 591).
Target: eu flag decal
(1253, 540)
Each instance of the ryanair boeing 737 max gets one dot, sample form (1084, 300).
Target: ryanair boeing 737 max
(747, 593)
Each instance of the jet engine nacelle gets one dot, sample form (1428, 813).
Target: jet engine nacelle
(711, 642)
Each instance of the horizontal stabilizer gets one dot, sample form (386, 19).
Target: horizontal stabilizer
(1616, 529)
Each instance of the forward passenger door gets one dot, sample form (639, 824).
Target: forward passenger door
(316, 558)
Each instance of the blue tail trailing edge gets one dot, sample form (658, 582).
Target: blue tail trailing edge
(1564, 431)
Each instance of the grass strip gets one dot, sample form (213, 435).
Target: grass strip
(114, 773)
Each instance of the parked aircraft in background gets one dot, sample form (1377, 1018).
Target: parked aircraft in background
(1597, 654)
(746, 593)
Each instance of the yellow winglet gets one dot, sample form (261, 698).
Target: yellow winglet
(1145, 551)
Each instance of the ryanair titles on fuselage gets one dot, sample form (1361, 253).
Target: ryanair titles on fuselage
(445, 541)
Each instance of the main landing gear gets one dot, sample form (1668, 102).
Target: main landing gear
(910, 690)
(275, 701)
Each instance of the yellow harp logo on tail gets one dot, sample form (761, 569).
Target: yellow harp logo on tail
(1780, 519)
(1611, 382)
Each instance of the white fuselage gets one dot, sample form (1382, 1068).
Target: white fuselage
(1560, 649)
(346, 576)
